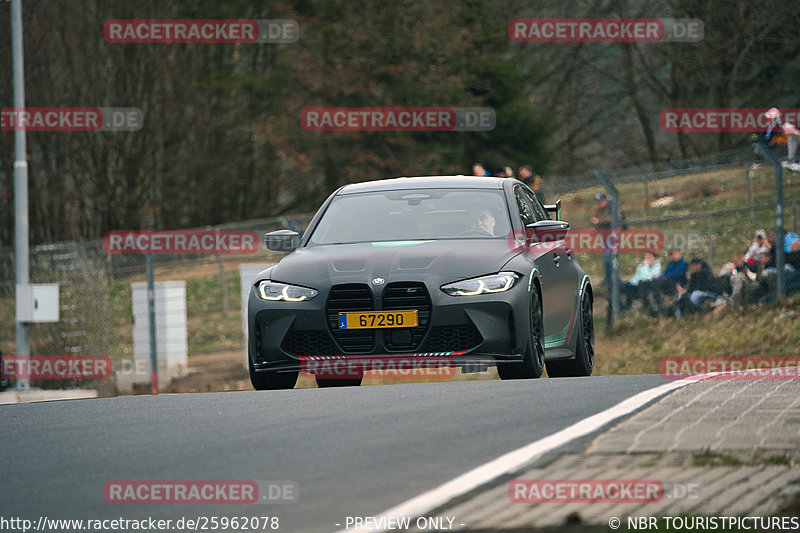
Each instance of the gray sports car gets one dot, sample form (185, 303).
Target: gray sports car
(473, 270)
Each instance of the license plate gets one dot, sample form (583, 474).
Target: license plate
(378, 319)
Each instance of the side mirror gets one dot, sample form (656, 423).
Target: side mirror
(548, 231)
(283, 240)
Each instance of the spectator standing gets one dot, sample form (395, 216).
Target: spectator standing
(526, 175)
(774, 127)
(479, 170)
(792, 141)
(533, 180)
(499, 172)
(601, 221)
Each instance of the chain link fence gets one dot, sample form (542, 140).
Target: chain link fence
(103, 310)
(714, 204)
(709, 207)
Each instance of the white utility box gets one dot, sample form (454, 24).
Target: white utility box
(171, 332)
(37, 303)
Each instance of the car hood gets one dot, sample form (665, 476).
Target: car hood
(449, 260)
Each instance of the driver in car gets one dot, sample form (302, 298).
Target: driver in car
(481, 219)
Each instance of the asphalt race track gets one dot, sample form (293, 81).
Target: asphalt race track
(351, 451)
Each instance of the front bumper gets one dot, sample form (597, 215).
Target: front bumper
(470, 330)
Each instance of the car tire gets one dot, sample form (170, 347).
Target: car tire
(271, 380)
(583, 364)
(532, 364)
(325, 383)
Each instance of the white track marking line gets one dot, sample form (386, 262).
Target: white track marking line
(514, 459)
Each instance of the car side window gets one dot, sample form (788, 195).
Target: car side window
(538, 209)
(525, 210)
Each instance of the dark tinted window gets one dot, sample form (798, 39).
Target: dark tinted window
(412, 214)
(525, 210)
(538, 209)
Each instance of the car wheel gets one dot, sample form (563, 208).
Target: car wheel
(271, 380)
(532, 364)
(323, 383)
(583, 364)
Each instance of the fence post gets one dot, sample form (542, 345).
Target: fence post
(151, 312)
(613, 300)
(224, 284)
(750, 193)
(779, 252)
(646, 197)
(710, 244)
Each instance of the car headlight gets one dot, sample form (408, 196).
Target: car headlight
(281, 292)
(482, 285)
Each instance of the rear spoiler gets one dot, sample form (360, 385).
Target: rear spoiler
(554, 208)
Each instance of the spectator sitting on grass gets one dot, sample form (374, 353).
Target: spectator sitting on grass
(766, 286)
(674, 274)
(793, 260)
(741, 277)
(788, 240)
(793, 257)
(760, 244)
(648, 269)
(702, 286)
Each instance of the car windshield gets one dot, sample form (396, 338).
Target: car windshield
(420, 214)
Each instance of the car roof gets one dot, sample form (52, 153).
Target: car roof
(424, 182)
